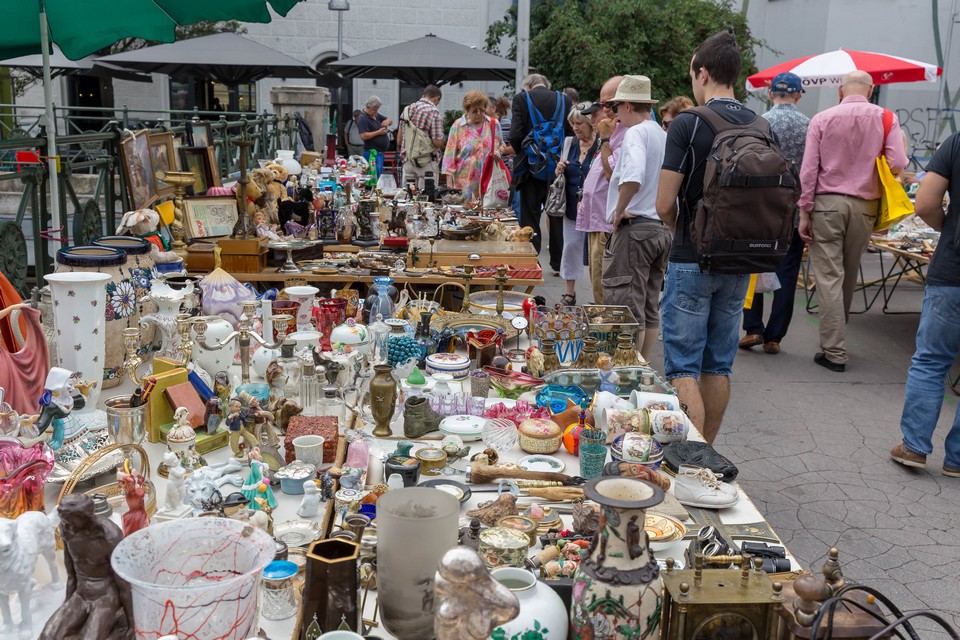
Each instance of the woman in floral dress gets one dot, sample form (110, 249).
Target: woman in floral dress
(473, 137)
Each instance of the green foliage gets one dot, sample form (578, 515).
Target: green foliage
(581, 43)
(449, 117)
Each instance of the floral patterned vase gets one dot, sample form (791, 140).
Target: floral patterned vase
(543, 616)
(617, 586)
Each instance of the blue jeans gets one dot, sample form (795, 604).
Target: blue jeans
(700, 313)
(781, 310)
(938, 340)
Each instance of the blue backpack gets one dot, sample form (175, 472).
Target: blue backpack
(542, 145)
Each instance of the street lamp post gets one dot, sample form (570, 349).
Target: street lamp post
(339, 6)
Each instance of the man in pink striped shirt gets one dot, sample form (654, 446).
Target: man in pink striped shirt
(840, 200)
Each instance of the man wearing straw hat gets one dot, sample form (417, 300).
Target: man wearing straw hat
(636, 255)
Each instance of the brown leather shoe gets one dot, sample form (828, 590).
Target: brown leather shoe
(953, 472)
(771, 347)
(751, 340)
(907, 458)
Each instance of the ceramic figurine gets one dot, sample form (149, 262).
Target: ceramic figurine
(222, 387)
(326, 487)
(98, 603)
(534, 362)
(470, 604)
(136, 517)
(608, 377)
(260, 419)
(191, 460)
(257, 484)
(21, 541)
(60, 397)
(283, 409)
(310, 503)
(357, 451)
(352, 479)
(173, 497)
(181, 431)
(470, 536)
(213, 414)
(236, 421)
(402, 450)
(203, 483)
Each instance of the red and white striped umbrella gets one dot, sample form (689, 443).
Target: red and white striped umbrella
(828, 69)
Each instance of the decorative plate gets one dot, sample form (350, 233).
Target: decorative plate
(297, 533)
(540, 462)
(458, 490)
(466, 426)
(663, 528)
(462, 323)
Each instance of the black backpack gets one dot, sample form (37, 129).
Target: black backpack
(744, 222)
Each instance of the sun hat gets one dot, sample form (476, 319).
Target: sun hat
(634, 89)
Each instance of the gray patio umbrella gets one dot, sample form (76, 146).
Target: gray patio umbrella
(427, 60)
(222, 57)
(61, 65)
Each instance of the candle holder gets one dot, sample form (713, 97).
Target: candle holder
(467, 277)
(131, 344)
(244, 227)
(179, 180)
(244, 335)
(501, 279)
(184, 322)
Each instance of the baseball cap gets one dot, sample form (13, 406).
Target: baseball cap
(787, 82)
(587, 108)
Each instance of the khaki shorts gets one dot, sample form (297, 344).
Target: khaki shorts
(633, 266)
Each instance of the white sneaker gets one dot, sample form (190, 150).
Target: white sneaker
(700, 487)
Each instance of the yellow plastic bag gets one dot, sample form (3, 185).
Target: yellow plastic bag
(895, 205)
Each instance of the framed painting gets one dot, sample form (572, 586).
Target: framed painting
(138, 169)
(164, 159)
(201, 133)
(214, 169)
(196, 160)
(209, 217)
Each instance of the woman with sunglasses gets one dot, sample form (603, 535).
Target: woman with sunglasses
(669, 110)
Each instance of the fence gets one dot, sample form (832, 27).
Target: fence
(93, 189)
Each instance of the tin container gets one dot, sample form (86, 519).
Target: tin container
(522, 524)
(503, 547)
(539, 435)
(432, 460)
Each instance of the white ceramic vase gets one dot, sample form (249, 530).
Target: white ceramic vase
(214, 360)
(262, 356)
(169, 301)
(307, 297)
(542, 612)
(79, 327)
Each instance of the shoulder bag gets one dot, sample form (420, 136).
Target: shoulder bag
(556, 203)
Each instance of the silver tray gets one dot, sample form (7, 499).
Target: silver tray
(297, 533)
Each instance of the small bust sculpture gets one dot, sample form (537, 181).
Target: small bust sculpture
(470, 603)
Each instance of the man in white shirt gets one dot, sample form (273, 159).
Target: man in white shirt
(635, 259)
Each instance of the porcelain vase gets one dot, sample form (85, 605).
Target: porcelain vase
(79, 325)
(169, 302)
(543, 616)
(262, 356)
(214, 360)
(617, 585)
(415, 527)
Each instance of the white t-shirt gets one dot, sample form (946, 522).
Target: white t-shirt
(639, 160)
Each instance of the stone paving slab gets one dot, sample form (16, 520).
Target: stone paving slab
(813, 451)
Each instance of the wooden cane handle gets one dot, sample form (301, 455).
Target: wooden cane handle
(557, 493)
(484, 474)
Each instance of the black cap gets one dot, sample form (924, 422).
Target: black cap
(587, 108)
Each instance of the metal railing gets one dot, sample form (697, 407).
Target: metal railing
(91, 158)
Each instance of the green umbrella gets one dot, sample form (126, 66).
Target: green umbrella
(80, 27)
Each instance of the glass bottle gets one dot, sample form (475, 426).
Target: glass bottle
(332, 405)
(287, 382)
(379, 301)
(428, 346)
(309, 389)
(626, 354)
(588, 356)
(647, 383)
(551, 362)
(380, 339)
(345, 225)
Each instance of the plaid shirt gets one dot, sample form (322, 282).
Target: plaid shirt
(425, 116)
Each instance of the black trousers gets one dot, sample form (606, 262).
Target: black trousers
(533, 195)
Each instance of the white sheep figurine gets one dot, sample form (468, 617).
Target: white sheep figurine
(21, 541)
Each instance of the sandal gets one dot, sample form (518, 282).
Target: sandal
(568, 299)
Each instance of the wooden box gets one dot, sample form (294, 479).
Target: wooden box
(200, 258)
(448, 253)
(242, 256)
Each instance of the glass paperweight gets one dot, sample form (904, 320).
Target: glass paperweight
(195, 578)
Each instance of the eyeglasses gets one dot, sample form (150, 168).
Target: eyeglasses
(605, 104)
(613, 106)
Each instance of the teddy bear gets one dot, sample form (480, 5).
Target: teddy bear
(144, 223)
(520, 234)
(275, 190)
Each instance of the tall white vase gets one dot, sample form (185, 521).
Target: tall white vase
(79, 329)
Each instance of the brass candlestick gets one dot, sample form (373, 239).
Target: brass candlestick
(131, 343)
(467, 277)
(244, 334)
(501, 279)
(180, 180)
(244, 227)
(184, 322)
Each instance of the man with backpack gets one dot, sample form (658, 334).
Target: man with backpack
(538, 127)
(729, 220)
(421, 136)
(841, 199)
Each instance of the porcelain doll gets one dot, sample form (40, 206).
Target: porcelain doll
(608, 377)
(257, 484)
(181, 431)
(173, 497)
